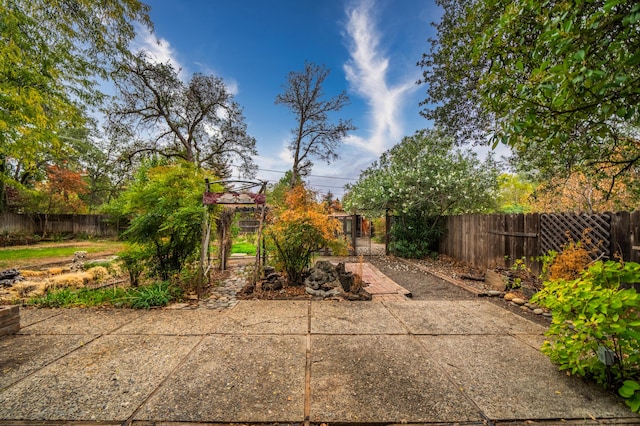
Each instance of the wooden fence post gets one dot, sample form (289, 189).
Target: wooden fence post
(620, 235)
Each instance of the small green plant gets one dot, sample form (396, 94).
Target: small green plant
(67, 297)
(157, 294)
(154, 295)
(631, 391)
(134, 259)
(520, 271)
(595, 331)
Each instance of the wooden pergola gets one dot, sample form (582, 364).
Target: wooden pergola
(237, 194)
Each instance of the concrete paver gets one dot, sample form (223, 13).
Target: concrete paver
(266, 317)
(235, 379)
(442, 361)
(533, 340)
(508, 379)
(381, 379)
(173, 322)
(105, 380)
(30, 316)
(22, 355)
(332, 317)
(460, 317)
(83, 321)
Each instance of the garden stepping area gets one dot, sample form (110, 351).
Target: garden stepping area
(464, 361)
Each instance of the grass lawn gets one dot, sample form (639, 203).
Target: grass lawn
(20, 256)
(243, 247)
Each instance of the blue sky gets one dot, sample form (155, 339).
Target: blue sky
(370, 46)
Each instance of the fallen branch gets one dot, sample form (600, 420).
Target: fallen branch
(471, 277)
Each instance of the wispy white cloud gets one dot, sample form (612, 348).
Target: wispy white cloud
(367, 73)
(158, 49)
(232, 84)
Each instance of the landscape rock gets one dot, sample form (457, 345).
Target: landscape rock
(494, 280)
(509, 297)
(9, 277)
(519, 301)
(78, 260)
(538, 311)
(273, 282)
(326, 280)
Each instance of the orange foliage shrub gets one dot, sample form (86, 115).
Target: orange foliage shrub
(298, 229)
(569, 263)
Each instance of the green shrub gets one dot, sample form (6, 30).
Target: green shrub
(134, 259)
(164, 204)
(157, 294)
(414, 235)
(67, 297)
(595, 331)
(154, 295)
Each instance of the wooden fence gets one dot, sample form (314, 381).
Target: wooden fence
(54, 224)
(490, 241)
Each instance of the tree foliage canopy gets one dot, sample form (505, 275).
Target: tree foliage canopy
(164, 203)
(315, 135)
(197, 121)
(53, 53)
(559, 81)
(425, 173)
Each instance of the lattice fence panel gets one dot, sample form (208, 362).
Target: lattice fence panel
(593, 230)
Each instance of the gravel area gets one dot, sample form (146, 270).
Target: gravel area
(421, 285)
(425, 286)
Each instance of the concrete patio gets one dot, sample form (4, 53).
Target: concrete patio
(435, 362)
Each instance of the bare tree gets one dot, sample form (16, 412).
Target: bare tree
(197, 121)
(314, 134)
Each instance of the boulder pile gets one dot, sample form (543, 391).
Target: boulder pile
(9, 277)
(328, 281)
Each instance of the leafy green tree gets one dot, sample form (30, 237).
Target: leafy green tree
(197, 121)
(164, 204)
(420, 180)
(314, 135)
(425, 172)
(557, 81)
(53, 54)
(277, 192)
(514, 193)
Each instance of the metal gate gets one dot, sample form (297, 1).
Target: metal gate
(361, 234)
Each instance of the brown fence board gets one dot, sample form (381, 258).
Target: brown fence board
(95, 225)
(498, 240)
(620, 243)
(634, 236)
